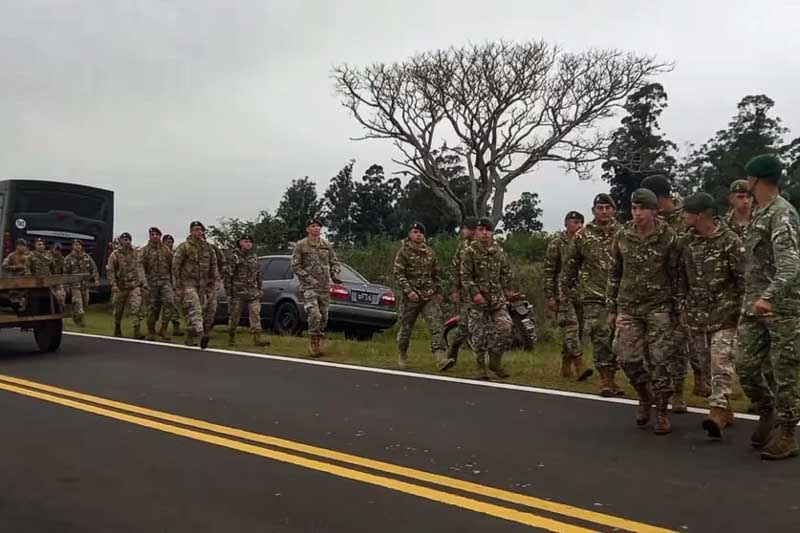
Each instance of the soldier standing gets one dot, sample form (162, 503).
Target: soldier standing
(709, 297)
(156, 260)
(244, 289)
(416, 271)
(127, 281)
(316, 265)
(569, 312)
(38, 262)
(213, 296)
(587, 261)
(486, 276)
(741, 204)
(79, 262)
(175, 313)
(458, 295)
(194, 266)
(641, 293)
(58, 269)
(769, 323)
(14, 263)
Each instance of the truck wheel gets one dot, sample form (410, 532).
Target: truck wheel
(48, 335)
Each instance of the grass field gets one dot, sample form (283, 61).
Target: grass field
(540, 368)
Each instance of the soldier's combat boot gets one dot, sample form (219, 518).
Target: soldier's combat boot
(117, 329)
(762, 433)
(259, 340)
(678, 401)
(645, 407)
(204, 340)
(137, 332)
(176, 329)
(163, 334)
(495, 365)
(614, 387)
(715, 422)
(232, 337)
(314, 348)
(402, 358)
(481, 374)
(151, 332)
(662, 425)
(443, 362)
(567, 368)
(783, 445)
(606, 386)
(581, 372)
(191, 339)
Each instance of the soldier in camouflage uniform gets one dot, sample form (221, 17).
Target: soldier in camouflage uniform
(316, 265)
(14, 263)
(567, 313)
(641, 294)
(213, 296)
(244, 289)
(457, 293)
(39, 262)
(174, 313)
(416, 271)
(127, 282)
(58, 268)
(709, 297)
(79, 262)
(156, 260)
(194, 267)
(486, 276)
(741, 207)
(769, 323)
(587, 260)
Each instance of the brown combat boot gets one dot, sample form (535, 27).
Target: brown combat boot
(567, 367)
(606, 386)
(614, 387)
(715, 422)
(402, 358)
(259, 340)
(481, 374)
(783, 445)
(495, 365)
(117, 329)
(645, 407)
(662, 425)
(581, 372)
(315, 347)
(162, 333)
(232, 337)
(176, 329)
(762, 433)
(151, 332)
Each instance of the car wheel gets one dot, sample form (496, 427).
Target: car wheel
(359, 334)
(287, 319)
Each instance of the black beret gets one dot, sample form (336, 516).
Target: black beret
(126, 235)
(659, 184)
(316, 221)
(417, 226)
(698, 202)
(764, 166)
(168, 237)
(154, 230)
(645, 198)
(739, 186)
(604, 199)
(246, 237)
(22, 242)
(470, 222)
(484, 222)
(39, 239)
(196, 224)
(574, 215)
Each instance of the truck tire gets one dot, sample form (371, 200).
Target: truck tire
(48, 335)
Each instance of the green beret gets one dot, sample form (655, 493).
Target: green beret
(486, 223)
(659, 184)
(764, 166)
(698, 202)
(738, 186)
(574, 215)
(645, 198)
(419, 226)
(604, 199)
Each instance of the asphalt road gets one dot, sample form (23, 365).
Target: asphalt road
(75, 462)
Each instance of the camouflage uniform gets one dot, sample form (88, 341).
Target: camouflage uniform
(416, 270)
(194, 266)
(641, 291)
(58, 268)
(127, 279)
(14, 263)
(80, 263)
(462, 331)
(213, 296)
(316, 265)
(737, 228)
(156, 260)
(569, 312)
(709, 297)
(773, 264)
(485, 270)
(587, 260)
(243, 285)
(38, 264)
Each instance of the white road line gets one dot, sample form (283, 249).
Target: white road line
(418, 375)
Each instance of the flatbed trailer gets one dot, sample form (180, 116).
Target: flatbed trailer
(28, 302)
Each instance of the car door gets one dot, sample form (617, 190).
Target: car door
(274, 273)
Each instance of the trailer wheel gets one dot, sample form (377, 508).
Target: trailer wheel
(48, 335)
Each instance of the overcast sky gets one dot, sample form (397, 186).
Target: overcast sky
(199, 109)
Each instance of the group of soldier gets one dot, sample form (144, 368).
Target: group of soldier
(679, 287)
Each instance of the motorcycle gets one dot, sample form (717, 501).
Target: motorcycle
(522, 319)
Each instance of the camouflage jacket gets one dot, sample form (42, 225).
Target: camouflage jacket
(554, 263)
(58, 261)
(14, 263)
(124, 269)
(485, 270)
(82, 263)
(194, 264)
(461, 247)
(315, 264)
(156, 260)
(38, 264)
(730, 220)
(773, 259)
(587, 260)
(416, 269)
(243, 275)
(219, 255)
(711, 279)
(642, 278)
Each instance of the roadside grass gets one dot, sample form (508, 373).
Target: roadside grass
(541, 368)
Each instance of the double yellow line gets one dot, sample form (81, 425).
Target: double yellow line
(331, 462)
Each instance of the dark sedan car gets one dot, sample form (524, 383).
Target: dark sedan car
(358, 307)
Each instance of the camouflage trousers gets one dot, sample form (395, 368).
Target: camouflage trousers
(719, 348)
(60, 294)
(160, 302)
(569, 318)
(595, 327)
(645, 349)
(132, 298)
(462, 330)
(770, 343)
(685, 356)
(490, 330)
(253, 306)
(80, 300)
(316, 306)
(410, 311)
(195, 304)
(212, 302)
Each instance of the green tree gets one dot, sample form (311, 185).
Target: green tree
(340, 205)
(299, 203)
(522, 216)
(376, 206)
(269, 233)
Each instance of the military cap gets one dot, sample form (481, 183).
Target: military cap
(22, 242)
(417, 226)
(764, 166)
(154, 230)
(196, 224)
(56, 246)
(168, 237)
(126, 235)
(39, 239)
(313, 220)
(604, 199)
(484, 222)
(245, 237)
(645, 198)
(470, 222)
(77, 241)
(738, 186)
(574, 215)
(659, 184)
(698, 202)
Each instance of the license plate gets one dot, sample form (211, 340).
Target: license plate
(361, 297)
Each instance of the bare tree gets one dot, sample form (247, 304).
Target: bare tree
(508, 106)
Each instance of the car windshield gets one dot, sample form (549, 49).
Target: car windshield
(349, 275)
